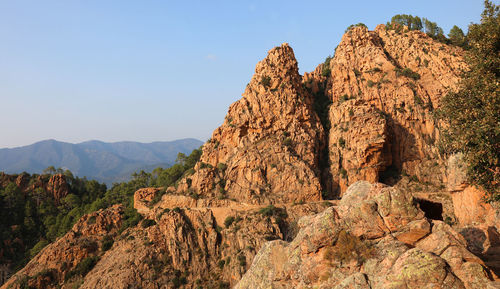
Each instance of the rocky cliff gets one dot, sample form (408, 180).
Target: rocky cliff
(267, 149)
(384, 87)
(257, 211)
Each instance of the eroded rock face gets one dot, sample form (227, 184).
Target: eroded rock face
(379, 255)
(359, 142)
(384, 87)
(192, 242)
(142, 197)
(55, 262)
(267, 149)
(272, 148)
(58, 187)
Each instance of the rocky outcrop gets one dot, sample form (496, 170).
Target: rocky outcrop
(67, 259)
(143, 197)
(251, 213)
(384, 87)
(332, 250)
(52, 188)
(58, 187)
(55, 186)
(478, 220)
(190, 242)
(267, 149)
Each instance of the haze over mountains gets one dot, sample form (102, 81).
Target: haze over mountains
(105, 162)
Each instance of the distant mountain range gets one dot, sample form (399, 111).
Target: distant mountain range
(104, 162)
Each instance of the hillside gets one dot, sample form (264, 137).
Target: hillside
(333, 179)
(104, 162)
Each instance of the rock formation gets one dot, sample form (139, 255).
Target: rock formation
(375, 238)
(384, 87)
(253, 212)
(267, 149)
(53, 188)
(66, 259)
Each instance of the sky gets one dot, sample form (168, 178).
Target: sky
(146, 70)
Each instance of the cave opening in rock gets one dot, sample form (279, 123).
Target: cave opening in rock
(390, 176)
(432, 210)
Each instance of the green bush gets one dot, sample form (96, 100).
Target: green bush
(355, 25)
(407, 73)
(341, 142)
(326, 71)
(221, 264)
(343, 173)
(147, 223)
(228, 221)
(473, 112)
(221, 166)
(38, 247)
(265, 81)
(107, 243)
(242, 260)
(83, 267)
(271, 210)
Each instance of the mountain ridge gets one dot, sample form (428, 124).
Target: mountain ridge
(103, 161)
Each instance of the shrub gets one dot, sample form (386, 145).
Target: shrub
(242, 260)
(407, 73)
(228, 221)
(38, 247)
(265, 81)
(157, 197)
(326, 67)
(268, 211)
(83, 267)
(349, 247)
(341, 142)
(107, 243)
(326, 71)
(223, 285)
(148, 223)
(418, 100)
(343, 98)
(278, 213)
(287, 141)
(343, 173)
(355, 25)
(370, 83)
(221, 264)
(221, 166)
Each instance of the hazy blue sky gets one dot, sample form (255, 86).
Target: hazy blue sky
(149, 70)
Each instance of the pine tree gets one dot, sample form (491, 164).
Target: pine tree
(457, 36)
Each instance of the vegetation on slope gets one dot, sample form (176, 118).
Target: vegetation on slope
(32, 219)
(473, 112)
(456, 35)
